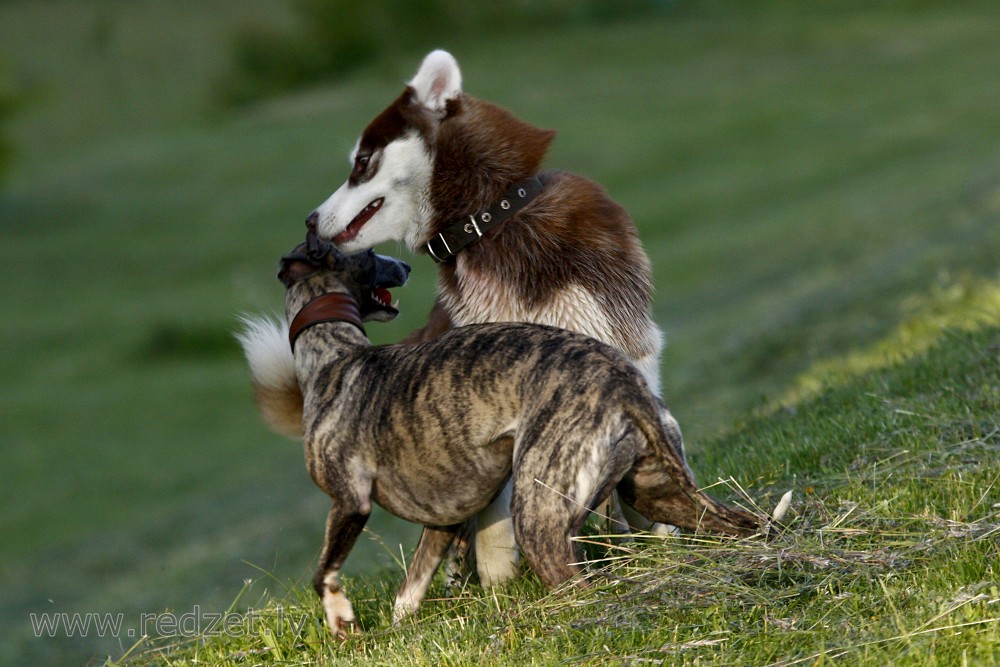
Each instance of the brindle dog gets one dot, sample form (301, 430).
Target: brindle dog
(432, 432)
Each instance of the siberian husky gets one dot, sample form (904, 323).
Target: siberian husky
(460, 179)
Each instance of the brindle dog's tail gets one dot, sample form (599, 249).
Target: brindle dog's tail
(272, 371)
(670, 494)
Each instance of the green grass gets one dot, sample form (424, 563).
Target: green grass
(891, 555)
(806, 184)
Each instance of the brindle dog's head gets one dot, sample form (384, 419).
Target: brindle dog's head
(316, 267)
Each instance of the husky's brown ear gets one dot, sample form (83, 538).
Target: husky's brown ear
(437, 81)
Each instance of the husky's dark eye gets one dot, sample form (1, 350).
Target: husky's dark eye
(361, 162)
(365, 163)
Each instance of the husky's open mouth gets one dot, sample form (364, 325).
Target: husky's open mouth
(359, 221)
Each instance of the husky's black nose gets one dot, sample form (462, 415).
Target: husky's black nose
(312, 221)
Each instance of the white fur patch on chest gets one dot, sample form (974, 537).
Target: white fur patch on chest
(488, 299)
(572, 308)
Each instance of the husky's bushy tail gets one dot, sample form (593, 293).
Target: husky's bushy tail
(272, 371)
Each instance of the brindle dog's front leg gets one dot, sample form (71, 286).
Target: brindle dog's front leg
(343, 525)
(431, 548)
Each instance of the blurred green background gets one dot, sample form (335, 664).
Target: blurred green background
(799, 172)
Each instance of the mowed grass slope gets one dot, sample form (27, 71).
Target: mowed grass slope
(890, 556)
(800, 180)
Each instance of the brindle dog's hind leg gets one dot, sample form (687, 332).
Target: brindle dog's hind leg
(343, 525)
(555, 490)
(431, 548)
(544, 524)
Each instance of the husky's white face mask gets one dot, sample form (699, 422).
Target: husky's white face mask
(387, 196)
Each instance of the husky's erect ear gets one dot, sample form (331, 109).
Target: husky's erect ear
(437, 81)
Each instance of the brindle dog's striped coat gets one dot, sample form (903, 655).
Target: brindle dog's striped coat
(431, 433)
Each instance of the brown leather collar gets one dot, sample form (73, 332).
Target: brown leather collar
(332, 307)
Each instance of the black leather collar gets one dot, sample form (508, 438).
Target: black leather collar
(466, 232)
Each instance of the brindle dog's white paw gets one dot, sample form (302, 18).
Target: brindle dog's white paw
(402, 610)
(339, 615)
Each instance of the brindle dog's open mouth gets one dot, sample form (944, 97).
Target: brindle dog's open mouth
(371, 271)
(359, 221)
(379, 298)
(382, 296)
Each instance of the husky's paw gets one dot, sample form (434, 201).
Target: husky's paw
(664, 530)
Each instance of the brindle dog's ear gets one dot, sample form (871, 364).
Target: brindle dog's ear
(297, 265)
(292, 272)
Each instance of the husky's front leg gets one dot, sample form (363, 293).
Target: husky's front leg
(497, 554)
(343, 525)
(431, 548)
